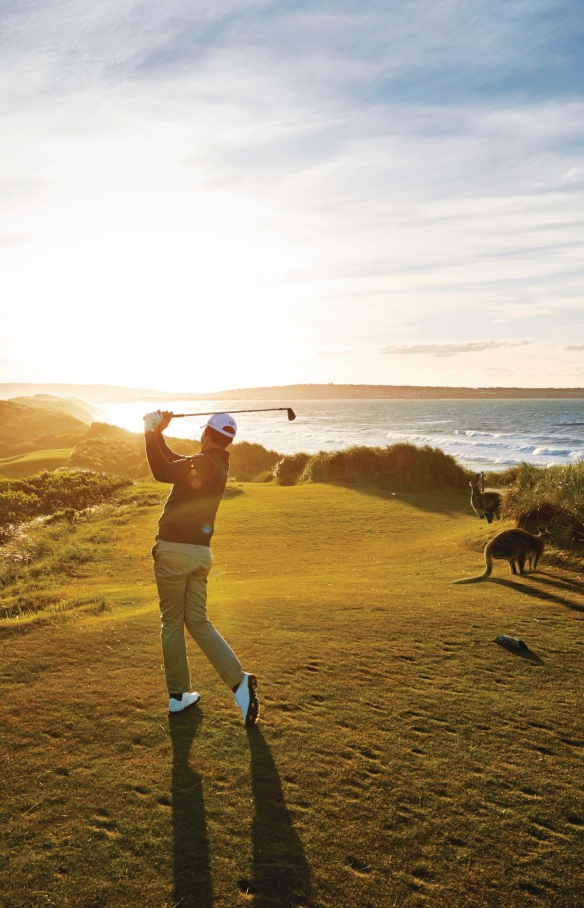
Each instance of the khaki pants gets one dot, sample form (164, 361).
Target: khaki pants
(181, 577)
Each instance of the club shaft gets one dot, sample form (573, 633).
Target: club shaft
(212, 412)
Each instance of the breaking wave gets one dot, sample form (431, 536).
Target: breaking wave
(482, 434)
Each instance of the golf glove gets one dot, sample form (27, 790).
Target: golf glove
(152, 421)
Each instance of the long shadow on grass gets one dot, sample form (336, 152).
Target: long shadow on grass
(441, 502)
(193, 886)
(281, 875)
(537, 593)
(560, 583)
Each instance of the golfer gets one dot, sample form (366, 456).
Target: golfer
(182, 559)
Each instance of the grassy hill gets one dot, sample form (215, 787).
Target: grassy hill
(24, 428)
(70, 405)
(402, 757)
(27, 464)
(94, 393)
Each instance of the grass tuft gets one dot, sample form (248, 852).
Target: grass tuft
(248, 461)
(402, 467)
(548, 498)
(289, 469)
(49, 492)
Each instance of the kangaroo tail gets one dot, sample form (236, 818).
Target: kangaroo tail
(486, 573)
(476, 579)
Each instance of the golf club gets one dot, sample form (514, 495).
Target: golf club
(289, 411)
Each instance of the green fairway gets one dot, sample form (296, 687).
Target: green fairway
(402, 757)
(28, 464)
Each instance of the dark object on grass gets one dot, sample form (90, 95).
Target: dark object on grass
(503, 640)
(289, 411)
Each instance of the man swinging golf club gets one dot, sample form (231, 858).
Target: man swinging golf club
(182, 559)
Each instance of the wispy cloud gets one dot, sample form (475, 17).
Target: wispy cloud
(452, 349)
(574, 347)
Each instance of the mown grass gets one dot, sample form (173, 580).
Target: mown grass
(402, 758)
(27, 464)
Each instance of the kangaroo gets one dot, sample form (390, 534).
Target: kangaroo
(516, 547)
(484, 504)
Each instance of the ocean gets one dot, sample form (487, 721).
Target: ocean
(480, 434)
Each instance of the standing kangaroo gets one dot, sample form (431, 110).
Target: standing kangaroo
(516, 547)
(484, 504)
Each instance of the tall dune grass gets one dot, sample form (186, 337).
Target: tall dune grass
(120, 456)
(288, 470)
(248, 461)
(52, 491)
(548, 498)
(396, 467)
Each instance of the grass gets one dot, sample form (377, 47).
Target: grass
(404, 467)
(28, 464)
(550, 498)
(402, 758)
(49, 492)
(27, 428)
(118, 451)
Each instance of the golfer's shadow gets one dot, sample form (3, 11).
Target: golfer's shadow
(281, 875)
(540, 593)
(193, 886)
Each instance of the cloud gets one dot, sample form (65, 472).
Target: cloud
(225, 151)
(452, 349)
(574, 347)
(573, 175)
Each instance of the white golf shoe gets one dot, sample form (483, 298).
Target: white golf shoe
(177, 706)
(247, 699)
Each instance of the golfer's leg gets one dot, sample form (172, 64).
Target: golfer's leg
(217, 651)
(171, 581)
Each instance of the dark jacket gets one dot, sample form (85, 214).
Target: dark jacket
(198, 484)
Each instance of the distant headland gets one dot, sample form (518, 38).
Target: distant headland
(389, 392)
(115, 393)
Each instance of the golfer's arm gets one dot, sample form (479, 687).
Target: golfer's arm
(163, 470)
(170, 455)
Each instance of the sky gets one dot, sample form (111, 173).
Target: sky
(198, 196)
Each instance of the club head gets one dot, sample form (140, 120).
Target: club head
(291, 414)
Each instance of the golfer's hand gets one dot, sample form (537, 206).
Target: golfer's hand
(157, 421)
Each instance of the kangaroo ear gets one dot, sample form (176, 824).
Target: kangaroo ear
(471, 484)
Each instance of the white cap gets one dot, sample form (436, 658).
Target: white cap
(223, 423)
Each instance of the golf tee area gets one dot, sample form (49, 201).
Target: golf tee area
(402, 757)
